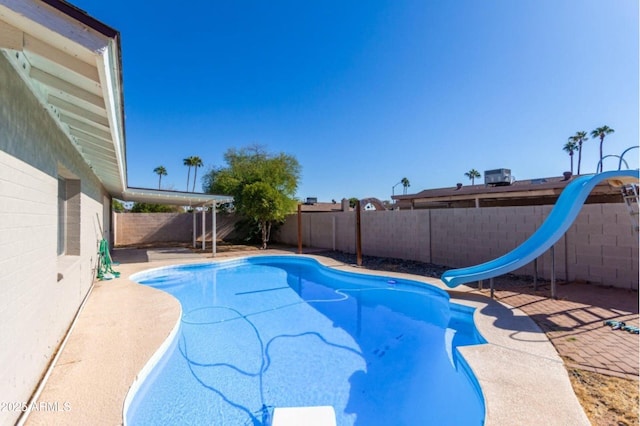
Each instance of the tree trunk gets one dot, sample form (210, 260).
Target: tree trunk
(195, 173)
(266, 233)
(601, 141)
(579, 155)
(571, 155)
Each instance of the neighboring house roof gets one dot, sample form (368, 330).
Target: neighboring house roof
(321, 207)
(526, 192)
(72, 64)
(338, 207)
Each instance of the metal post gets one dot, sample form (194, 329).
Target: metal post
(553, 273)
(333, 232)
(204, 228)
(535, 274)
(299, 228)
(480, 285)
(193, 213)
(214, 230)
(358, 236)
(491, 286)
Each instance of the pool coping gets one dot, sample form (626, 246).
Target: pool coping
(523, 379)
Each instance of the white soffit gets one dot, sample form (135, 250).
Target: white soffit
(153, 196)
(71, 63)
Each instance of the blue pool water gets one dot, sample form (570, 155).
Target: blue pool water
(284, 331)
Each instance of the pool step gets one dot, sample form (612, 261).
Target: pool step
(307, 416)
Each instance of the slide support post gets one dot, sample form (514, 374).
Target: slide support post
(553, 272)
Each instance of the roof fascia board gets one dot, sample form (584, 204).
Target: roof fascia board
(109, 70)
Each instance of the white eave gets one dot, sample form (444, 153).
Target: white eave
(71, 63)
(178, 198)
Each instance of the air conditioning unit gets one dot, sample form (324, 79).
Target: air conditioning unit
(498, 177)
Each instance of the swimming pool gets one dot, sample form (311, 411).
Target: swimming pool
(284, 331)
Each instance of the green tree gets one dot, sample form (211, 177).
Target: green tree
(153, 208)
(579, 138)
(601, 132)
(195, 162)
(263, 185)
(570, 147)
(472, 174)
(160, 171)
(353, 202)
(405, 184)
(117, 206)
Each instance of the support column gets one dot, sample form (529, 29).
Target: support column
(358, 236)
(333, 232)
(204, 228)
(299, 228)
(193, 213)
(214, 229)
(553, 273)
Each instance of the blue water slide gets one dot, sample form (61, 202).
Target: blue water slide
(552, 229)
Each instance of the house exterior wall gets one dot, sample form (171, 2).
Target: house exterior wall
(40, 292)
(146, 228)
(600, 247)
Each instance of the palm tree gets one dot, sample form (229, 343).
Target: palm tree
(405, 184)
(472, 174)
(601, 132)
(188, 162)
(578, 138)
(195, 162)
(570, 147)
(161, 171)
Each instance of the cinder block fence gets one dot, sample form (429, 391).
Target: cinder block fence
(600, 247)
(147, 228)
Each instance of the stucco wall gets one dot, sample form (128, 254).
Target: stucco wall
(37, 304)
(143, 228)
(600, 247)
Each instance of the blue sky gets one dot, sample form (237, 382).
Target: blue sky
(364, 93)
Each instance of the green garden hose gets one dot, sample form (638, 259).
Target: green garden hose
(105, 270)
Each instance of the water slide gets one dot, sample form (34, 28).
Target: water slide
(552, 229)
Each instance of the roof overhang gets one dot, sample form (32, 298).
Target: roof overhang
(447, 196)
(177, 198)
(71, 62)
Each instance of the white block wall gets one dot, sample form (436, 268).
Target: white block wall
(36, 307)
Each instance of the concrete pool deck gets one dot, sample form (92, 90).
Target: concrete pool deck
(122, 324)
